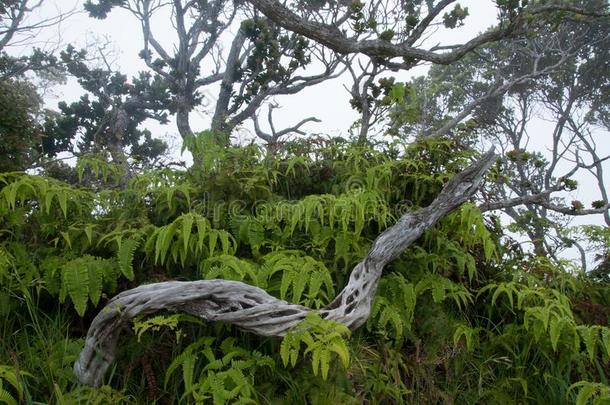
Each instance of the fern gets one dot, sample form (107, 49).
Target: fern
(442, 288)
(297, 277)
(322, 339)
(328, 217)
(394, 305)
(230, 268)
(189, 238)
(48, 193)
(83, 395)
(469, 334)
(227, 375)
(14, 378)
(250, 231)
(6, 263)
(591, 392)
(158, 322)
(98, 166)
(126, 252)
(82, 280)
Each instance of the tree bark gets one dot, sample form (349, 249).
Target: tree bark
(182, 121)
(251, 308)
(226, 86)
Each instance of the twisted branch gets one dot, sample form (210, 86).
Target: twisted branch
(254, 310)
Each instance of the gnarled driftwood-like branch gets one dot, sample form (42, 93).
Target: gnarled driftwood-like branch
(251, 308)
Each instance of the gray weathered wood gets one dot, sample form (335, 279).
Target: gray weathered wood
(251, 308)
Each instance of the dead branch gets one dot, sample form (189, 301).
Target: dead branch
(251, 308)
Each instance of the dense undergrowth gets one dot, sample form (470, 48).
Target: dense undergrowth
(463, 316)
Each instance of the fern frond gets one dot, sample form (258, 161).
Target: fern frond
(322, 339)
(75, 283)
(125, 254)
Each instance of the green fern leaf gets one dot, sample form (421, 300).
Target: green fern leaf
(555, 332)
(589, 335)
(126, 253)
(6, 397)
(585, 393)
(164, 240)
(324, 362)
(63, 203)
(606, 340)
(285, 348)
(75, 278)
(187, 224)
(94, 280)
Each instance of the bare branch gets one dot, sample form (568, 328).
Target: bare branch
(251, 308)
(274, 138)
(332, 37)
(496, 91)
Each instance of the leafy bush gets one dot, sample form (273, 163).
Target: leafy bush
(460, 317)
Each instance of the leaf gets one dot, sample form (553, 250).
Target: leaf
(6, 397)
(63, 203)
(187, 224)
(342, 352)
(467, 333)
(555, 332)
(165, 238)
(95, 281)
(324, 363)
(75, 277)
(606, 340)
(126, 253)
(212, 240)
(589, 335)
(285, 350)
(89, 232)
(586, 392)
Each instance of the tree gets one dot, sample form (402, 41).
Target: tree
(21, 133)
(263, 60)
(18, 27)
(106, 125)
(553, 76)
(110, 123)
(396, 37)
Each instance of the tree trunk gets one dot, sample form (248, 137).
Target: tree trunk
(251, 308)
(182, 122)
(226, 86)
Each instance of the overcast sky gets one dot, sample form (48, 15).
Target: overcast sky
(329, 101)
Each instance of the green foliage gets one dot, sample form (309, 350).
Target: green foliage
(322, 338)
(589, 392)
(456, 17)
(88, 395)
(187, 238)
(9, 377)
(20, 134)
(98, 167)
(82, 279)
(226, 375)
(459, 317)
(394, 306)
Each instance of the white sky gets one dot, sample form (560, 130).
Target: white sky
(329, 101)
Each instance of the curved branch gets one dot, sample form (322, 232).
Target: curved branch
(332, 37)
(251, 308)
(274, 137)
